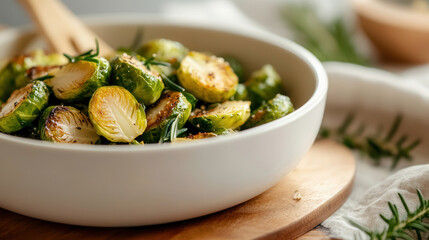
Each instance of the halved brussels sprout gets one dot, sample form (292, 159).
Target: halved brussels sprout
(164, 50)
(12, 75)
(23, 107)
(116, 114)
(130, 73)
(229, 115)
(171, 106)
(275, 108)
(263, 85)
(241, 93)
(63, 124)
(78, 80)
(209, 78)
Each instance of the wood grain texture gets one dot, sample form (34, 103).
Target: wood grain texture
(324, 179)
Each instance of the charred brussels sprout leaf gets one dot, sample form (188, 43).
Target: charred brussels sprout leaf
(228, 115)
(130, 73)
(62, 124)
(166, 117)
(241, 93)
(78, 80)
(263, 85)
(116, 114)
(23, 107)
(208, 78)
(13, 74)
(274, 109)
(164, 50)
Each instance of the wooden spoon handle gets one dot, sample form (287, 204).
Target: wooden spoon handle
(64, 32)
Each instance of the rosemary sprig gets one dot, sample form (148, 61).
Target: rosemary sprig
(86, 56)
(327, 41)
(152, 61)
(402, 228)
(374, 146)
(171, 131)
(171, 85)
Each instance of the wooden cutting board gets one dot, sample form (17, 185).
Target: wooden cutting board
(299, 202)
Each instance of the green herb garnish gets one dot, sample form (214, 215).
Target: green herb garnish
(374, 146)
(152, 61)
(328, 41)
(171, 131)
(402, 228)
(169, 84)
(86, 56)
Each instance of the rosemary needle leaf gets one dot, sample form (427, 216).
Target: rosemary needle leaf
(327, 41)
(404, 204)
(402, 227)
(173, 131)
(165, 131)
(171, 85)
(86, 56)
(376, 146)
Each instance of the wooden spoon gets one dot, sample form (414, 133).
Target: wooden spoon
(64, 32)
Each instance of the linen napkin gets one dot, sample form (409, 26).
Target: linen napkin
(365, 206)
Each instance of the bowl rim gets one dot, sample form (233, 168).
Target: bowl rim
(319, 94)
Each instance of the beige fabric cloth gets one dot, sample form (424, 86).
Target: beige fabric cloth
(364, 208)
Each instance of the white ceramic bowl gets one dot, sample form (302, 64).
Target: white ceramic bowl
(151, 184)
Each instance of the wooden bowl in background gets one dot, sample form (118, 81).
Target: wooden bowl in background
(398, 32)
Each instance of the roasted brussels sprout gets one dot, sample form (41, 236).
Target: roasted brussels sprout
(13, 74)
(241, 93)
(208, 78)
(130, 73)
(263, 85)
(164, 50)
(172, 106)
(78, 80)
(236, 66)
(228, 115)
(64, 124)
(275, 108)
(23, 107)
(116, 114)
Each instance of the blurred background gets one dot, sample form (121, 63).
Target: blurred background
(398, 29)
